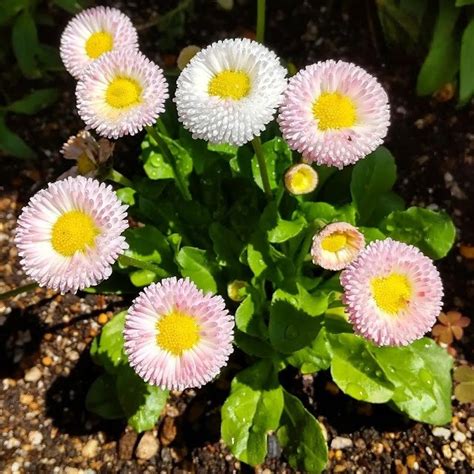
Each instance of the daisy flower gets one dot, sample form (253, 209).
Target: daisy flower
(229, 91)
(88, 153)
(121, 93)
(176, 336)
(392, 292)
(336, 246)
(334, 113)
(69, 234)
(301, 179)
(92, 33)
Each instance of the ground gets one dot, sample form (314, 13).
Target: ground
(44, 337)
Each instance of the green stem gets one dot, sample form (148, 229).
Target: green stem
(19, 290)
(304, 250)
(260, 35)
(119, 178)
(133, 262)
(262, 166)
(169, 158)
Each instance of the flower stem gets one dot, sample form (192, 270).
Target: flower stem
(169, 158)
(262, 166)
(260, 34)
(19, 290)
(133, 262)
(119, 178)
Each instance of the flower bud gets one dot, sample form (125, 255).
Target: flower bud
(301, 179)
(236, 290)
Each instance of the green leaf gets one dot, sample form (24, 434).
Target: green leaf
(143, 277)
(249, 317)
(102, 400)
(442, 61)
(142, 403)
(155, 165)
(223, 149)
(371, 178)
(462, 3)
(432, 232)
(278, 159)
(25, 44)
(126, 195)
(421, 376)
(466, 74)
(267, 262)
(148, 244)
(227, 246)
(279, 230)
(252, 345)
(371, 234)
(355, 371)
(301, 437)
(71, 6)
(252, 409)
(291, 327)
(10, 9)
(314, 357)
(12, 144)
(195, 264)
(110, 353)
(386, 203)
(34, 102)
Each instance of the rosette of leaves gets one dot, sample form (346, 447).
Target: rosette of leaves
(291, 313)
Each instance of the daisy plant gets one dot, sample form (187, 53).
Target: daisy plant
(249, 196)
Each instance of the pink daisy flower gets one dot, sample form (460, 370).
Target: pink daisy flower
(69, 235)
(392, 293)
(121, 93)
(92, 33)
(334, 113)
(176, 336)
(336, 246)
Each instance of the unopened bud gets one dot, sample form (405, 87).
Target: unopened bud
(301, 179)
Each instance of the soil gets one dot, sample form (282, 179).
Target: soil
(44, 337)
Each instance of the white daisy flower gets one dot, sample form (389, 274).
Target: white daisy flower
(229, 91)
(92, 33)
(69, 235)
(121, 93)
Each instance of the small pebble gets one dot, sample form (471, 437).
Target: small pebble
(341, 443)
(47, 361)
(33, 375)
(459, 437)
(441, 432)
(26, 398)
(102, 319)
(446, 450)
(147, 447)
(35, 438)
(412, 462)
(90, 449)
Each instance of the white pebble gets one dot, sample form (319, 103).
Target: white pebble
(441, 432)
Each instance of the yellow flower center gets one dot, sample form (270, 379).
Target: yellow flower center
(177, 332)
(98, 44)
(230, 85)
(333, 110)
(123, 92)
(302, 180)
(391, 293)
(73, 232)
(85, 165)
(334, 242)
